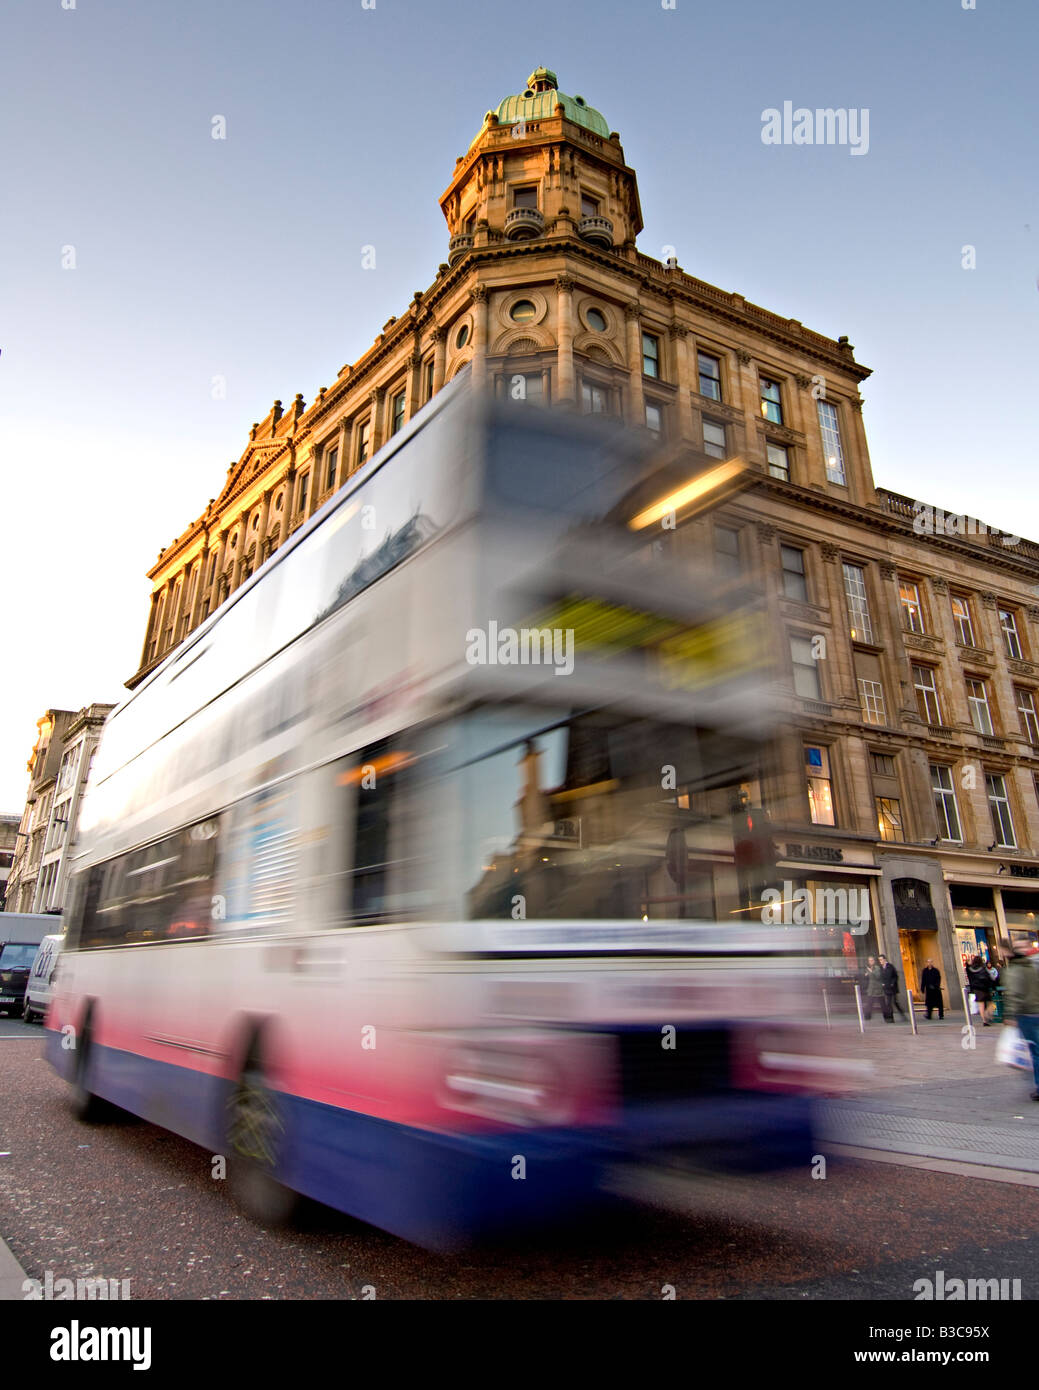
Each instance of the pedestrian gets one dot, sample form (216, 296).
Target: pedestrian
(980, 987)
(1021, 1002)
(890, 975)
(931, 989)
(873, 979)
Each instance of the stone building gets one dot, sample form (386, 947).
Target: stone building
(909, 656)
(58, 769)
(9, 826)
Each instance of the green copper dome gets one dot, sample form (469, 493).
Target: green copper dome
(539, 102)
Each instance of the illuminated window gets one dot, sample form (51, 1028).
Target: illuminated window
(889, 818)
(820, 790)
(961, 618)
(858, 603)
(912, 612)
(523, 311)
(829, 426)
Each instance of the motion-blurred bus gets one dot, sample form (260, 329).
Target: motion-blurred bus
(383, 889)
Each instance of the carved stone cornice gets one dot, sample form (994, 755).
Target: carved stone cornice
(480, 294)
(1033, 613)
(565, 284)
(766, 533)
(803, 382)
(632, 310)
(856, 404)
(939, 586)
(830, 553)
(886, 571)
(439, 334)
(989, 601)
(1022, 668)
(678, 332)
(376, 395)
(781, 433)
(743, 358)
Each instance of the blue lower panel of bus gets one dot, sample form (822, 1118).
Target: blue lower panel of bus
(444, 1189)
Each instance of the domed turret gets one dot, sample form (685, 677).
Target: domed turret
(542, 165)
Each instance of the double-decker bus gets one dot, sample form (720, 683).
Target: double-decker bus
(383, 884)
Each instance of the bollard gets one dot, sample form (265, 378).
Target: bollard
(969, 1039)
(826, 1009)
(858, 1005)
(912, 1011)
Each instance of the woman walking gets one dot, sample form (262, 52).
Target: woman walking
(981, 987)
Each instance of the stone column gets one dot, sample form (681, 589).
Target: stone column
(844, 686)
(566, 392)
(439, 357)
(261, 532)
(413, 401)
(375, 432)
(637, 402)
(345, 445)
(480, 308)
(214, 588)
(679, 339)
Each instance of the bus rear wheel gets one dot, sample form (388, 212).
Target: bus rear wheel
(86, 1106)
(255, 1134)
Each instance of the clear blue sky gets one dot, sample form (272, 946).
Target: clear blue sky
(242, 258)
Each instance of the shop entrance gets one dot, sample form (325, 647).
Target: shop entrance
(917, 948)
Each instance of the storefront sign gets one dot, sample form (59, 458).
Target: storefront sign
(823, 852)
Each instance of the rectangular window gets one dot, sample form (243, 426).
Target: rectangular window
(889, 818)
(654, 419)
(926, 694)
(999, 805)
(1011, 640)
(829, 426)
(820, 790)
(589, 206)
(650, 355)
(883, 764)
(529, 387)
(304, 484)
(858, 603)
(793, 563)
(912, 613)
(525, 197)
(945, 806)
(871, 693)
(714, 440)
(778, 461)
(593, 399)
(428, 381)
(331, 468)
(961, 620)
(710, 370)
(806, 668)
(977, 699)
(363, 436)
(398, 412)
(1027, 712)
(727, 551)
(771, 401)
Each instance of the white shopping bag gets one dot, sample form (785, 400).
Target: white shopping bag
(975, 1007)
(1013, 1050)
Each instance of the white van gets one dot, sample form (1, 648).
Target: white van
(39, 988)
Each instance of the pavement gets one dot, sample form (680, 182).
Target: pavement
(939, 1097)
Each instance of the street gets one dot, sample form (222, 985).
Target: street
(128, 1201)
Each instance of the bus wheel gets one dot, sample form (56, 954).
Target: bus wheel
(27, 1013)
(255, 1133)
(85, 1105)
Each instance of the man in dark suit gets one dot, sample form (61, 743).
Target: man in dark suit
(931, 986)
(890, 977)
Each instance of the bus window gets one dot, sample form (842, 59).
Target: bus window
(384, 827)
